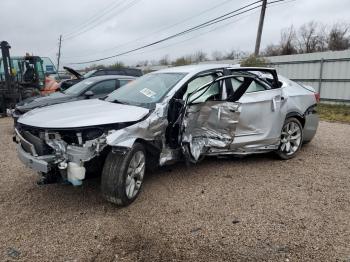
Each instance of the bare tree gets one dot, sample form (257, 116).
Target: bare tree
(164, 60)
(288, 41)
(183, 60)
(309, 38)
(216, 55)
(322, 34)
(272, 50)
(116, 65)
(232, 54)
(143, 63)
(338, 37)
(199, 56)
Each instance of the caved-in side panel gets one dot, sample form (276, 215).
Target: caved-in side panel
(209, 125)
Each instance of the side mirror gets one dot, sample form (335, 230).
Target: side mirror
(89, 94)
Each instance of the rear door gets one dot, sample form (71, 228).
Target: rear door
(261, 118)
(103, 88)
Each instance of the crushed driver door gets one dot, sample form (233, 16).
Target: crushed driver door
(209, 119)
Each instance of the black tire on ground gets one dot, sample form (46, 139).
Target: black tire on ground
(281, 153)
(114, 175)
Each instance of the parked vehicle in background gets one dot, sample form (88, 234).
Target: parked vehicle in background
(182, 113)
(93, 87)
(98, 72)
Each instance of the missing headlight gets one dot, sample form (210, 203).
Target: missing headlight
(91, 134)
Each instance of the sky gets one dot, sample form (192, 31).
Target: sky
(93, 29)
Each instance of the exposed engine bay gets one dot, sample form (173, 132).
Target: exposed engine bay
(66, 149)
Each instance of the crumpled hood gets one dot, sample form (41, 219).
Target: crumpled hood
(82, 113)
(40, 101)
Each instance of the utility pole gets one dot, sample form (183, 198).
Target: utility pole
(59, 54)
(260, 28)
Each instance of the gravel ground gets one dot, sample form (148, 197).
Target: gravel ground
(251, 209)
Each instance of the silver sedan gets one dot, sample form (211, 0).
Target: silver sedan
(177, 114)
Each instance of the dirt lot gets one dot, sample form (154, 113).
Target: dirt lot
(251, 209)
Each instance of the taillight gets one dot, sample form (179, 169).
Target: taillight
(317, 97)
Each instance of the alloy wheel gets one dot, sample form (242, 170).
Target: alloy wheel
(135, 174)
(290, 138)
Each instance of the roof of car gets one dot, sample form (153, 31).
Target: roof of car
(193, 68)
(117, 69)
(104, 77)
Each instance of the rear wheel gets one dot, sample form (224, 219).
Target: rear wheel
(122, 175)
(291, 138)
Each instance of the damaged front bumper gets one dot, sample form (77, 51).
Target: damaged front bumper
(49, 152)
(38, 163)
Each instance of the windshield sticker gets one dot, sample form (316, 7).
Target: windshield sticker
(148, 92)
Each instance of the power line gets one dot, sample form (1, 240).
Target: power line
(96, 16)
(196, 36)
(160, 30)
(202, 25)
(93, 25)
(211, 30)
(271, 4)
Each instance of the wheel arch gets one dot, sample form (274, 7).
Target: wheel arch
(153, 149)
(298, 116)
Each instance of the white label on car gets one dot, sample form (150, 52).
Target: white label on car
(148, 92)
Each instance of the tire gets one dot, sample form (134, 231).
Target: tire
(122, 175)
(291, 139)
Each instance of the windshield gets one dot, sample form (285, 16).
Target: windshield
(78, 87)
(90, 73)
(146, 90)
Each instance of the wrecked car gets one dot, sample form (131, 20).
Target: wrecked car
(97, 72)
(181, 113)
(94, 87)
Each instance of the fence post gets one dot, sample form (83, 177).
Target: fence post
(320, 78)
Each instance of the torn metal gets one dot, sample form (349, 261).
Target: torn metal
(209, 125)
(51, 147)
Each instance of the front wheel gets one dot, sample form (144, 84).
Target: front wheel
(291, 139)
(122, 175)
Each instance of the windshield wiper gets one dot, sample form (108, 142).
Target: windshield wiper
(118, 102)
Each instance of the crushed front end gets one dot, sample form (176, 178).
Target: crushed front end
(60, 151)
